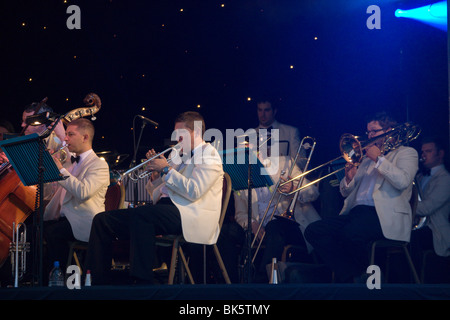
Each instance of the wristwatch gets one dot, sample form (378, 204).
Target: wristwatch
(165, 170)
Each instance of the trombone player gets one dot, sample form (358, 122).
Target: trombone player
(274, 232)
(376, 206)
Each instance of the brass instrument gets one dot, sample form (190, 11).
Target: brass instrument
(289, 213)
(18, 249)
(62, 153)
(135, 176)
(353, 150)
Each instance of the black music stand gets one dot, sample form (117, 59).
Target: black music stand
(246, 172)
(35, 166)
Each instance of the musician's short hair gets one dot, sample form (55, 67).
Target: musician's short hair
(438, 142)
(84, 125)
(384, 119)
(189, 117)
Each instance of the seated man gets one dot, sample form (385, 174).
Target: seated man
(187, 199)
(68, 216)
(376, 207)
(279, 232)
(435, 206)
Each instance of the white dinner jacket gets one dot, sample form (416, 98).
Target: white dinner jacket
(391, 193)
(84, 198)
(196, 190)
(435, 205)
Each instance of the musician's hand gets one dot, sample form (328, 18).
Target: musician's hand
(373, 152)
(150, 153)
(155, 175)
(57, 162)
(350, 172)
(287, 187)
(3, 157)
(255, 226)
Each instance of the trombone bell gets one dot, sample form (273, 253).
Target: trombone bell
(351, 149)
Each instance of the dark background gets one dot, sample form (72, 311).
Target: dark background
(152, 54)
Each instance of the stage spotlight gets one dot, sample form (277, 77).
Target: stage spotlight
(433, 14)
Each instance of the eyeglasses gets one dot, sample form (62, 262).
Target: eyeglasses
(373, 131)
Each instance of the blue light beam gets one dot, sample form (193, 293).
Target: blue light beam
(434, 14)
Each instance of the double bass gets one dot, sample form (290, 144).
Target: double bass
(17, 201)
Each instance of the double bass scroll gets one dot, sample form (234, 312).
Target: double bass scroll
(92, 105)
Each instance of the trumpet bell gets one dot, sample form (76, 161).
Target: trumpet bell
(62, 156)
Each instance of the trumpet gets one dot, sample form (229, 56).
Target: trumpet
(135, 176)
(18, 249)
(306, 143)
(352, 150)
(62, 153)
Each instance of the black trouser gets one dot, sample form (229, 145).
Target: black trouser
(342, 241)
(57, 235)
(280, 233)
(140, 225)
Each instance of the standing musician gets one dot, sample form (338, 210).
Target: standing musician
(376, 206)
(68, 216)
(289, 136)
(186, 199)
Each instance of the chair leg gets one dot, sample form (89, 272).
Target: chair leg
(173, 261)
(372, 255)
(221, 264)
(73, 255)
(411, 265)
(69, 257)
(188, 271)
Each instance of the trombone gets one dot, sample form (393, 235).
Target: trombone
(306, 143)
(352, 149)
(136, 176)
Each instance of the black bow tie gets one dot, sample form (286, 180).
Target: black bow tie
(75, 159)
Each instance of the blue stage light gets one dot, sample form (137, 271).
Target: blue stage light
(433, 14)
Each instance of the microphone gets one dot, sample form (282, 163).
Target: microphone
(148, 120)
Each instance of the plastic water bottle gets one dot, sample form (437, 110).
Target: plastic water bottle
(56, 277)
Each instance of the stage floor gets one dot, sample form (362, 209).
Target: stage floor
(234, 292)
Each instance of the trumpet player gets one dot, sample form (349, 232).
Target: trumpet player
(376, 206)
(186, 200)
(68, 216)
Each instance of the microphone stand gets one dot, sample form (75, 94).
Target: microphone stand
(133, 163)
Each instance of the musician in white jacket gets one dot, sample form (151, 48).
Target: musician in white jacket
(187, 197)
(376, 206)
(68, 216)
(279, 232)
